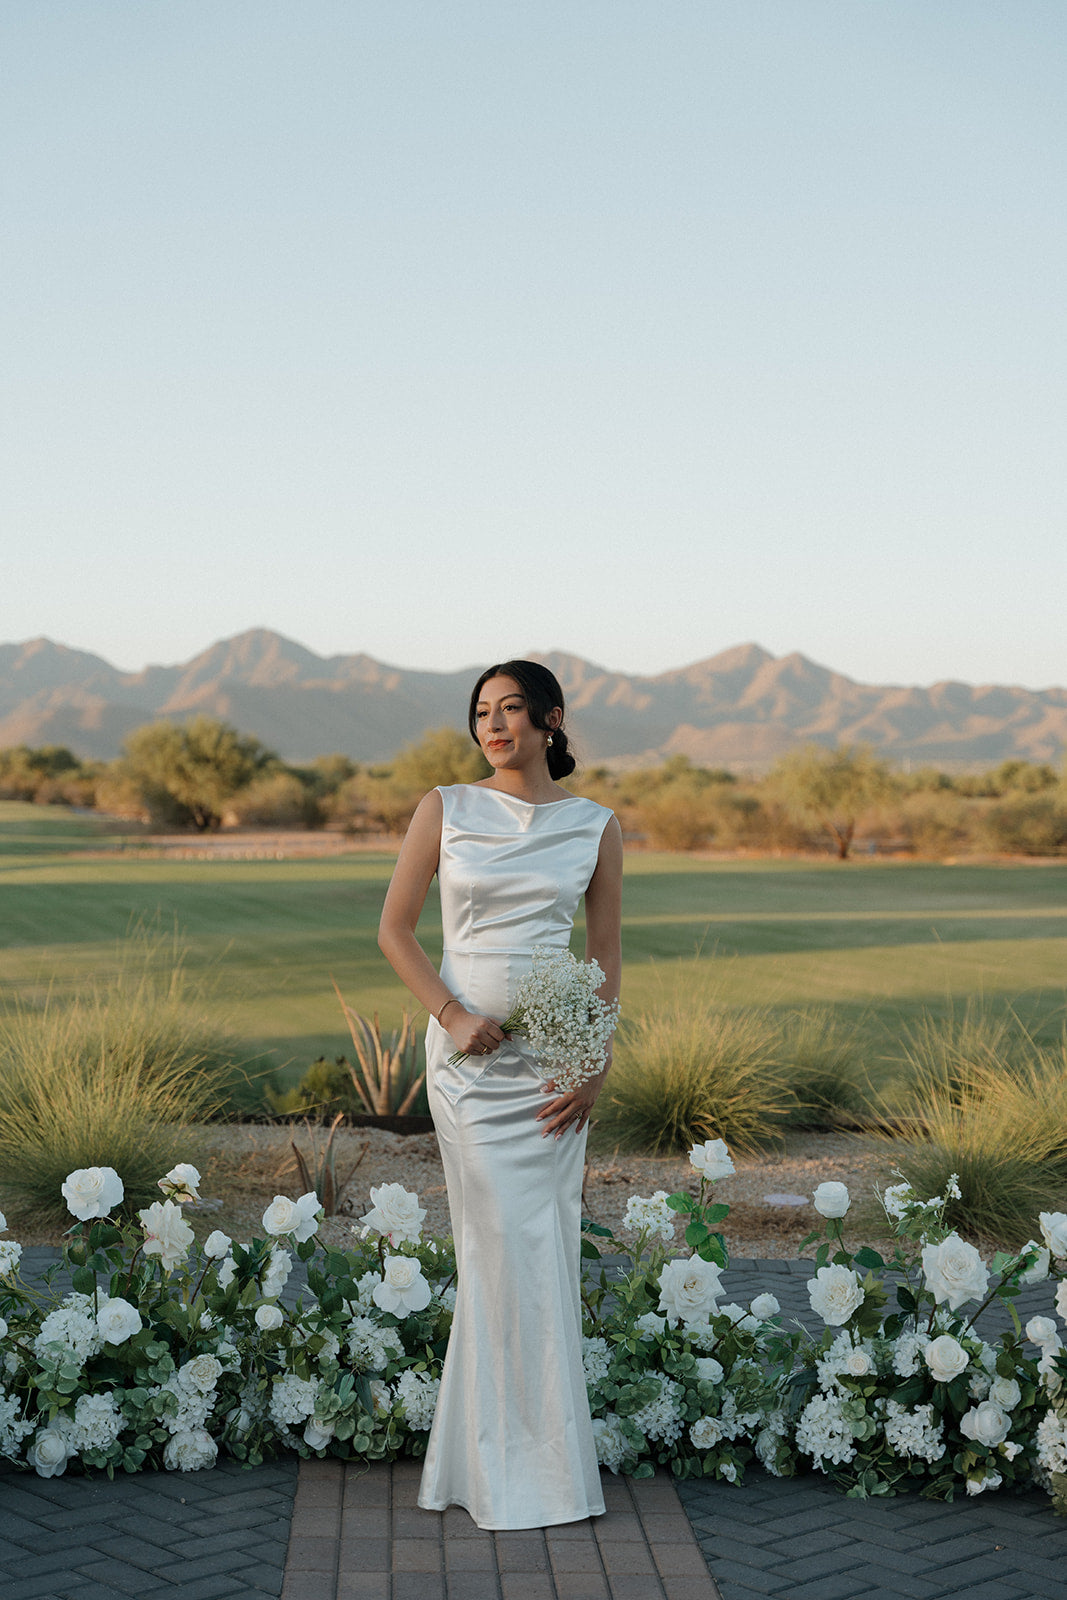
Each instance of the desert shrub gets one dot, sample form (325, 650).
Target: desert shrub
(934, 823)
(1035, 826)
(111, 1077)
(324, 1089)
(691, 1072)
(276, 800)
(823, 1062)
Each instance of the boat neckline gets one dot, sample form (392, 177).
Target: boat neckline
(536, 804)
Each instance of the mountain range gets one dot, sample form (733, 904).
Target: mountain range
(741, 708)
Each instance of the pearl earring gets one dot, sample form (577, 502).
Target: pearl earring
(550, 741)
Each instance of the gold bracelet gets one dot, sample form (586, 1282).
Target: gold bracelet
(451, 1001)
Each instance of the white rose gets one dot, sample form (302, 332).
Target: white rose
(689, 1289)
(92, 1192)
(712, 1159)
(381, 1396)
(190, 1451)
(954, 1271)
(858, 1363)
(764, 1307)
(268, 1318)
(1061, 1299)
(1042, 1330)
(396, 1213)
(1054, 1232)
(835, 1293)
(181, 1183)
(946, 1358)
(3, 1223)
(705, 1432)
(227, 1272)
(298, 1217)
(831, 1199)
(203, 1372)
(709, 1370)
(309, 1214)
(989, 1480)
(276, 1273)
(317, 1435)
(1005, 1393)
(216, 1245)
(50, 1451)
(117, 1321)
(650, 1326)
(3, 1328)
(167, 1234)
(403, 1289)
(985, 1424)
(1037, 1271)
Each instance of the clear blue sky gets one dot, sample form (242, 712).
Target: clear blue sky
(446, 330)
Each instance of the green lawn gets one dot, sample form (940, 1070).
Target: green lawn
(878, 940)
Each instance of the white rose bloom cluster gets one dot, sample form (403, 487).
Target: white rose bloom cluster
(417, 1393)
(945, 1358)
(395, 1213)
(986, 1424)
(558, 1010)
(660, 1419)
(371, 1347)
(190, 1451)
(167, 1234)
(596, 1359)
(712, 1159)
(269, 1317)
(73, 1326)
(92, 1192)
(835, 1293)
(915, 1433)
(275, 1274)
(298, 1218)
(181, 1183)
(824, 1433)
(688, 1290)
(612, 1445)
(292, 1399)
(954, 1272)
(650, 1214)
(403, 1289)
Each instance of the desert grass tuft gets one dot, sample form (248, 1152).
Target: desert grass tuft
(110, 1078)
(691, 1072)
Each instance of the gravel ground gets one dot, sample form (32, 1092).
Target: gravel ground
(244, 1165)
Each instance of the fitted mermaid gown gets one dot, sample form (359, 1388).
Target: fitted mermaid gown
(512, 1439)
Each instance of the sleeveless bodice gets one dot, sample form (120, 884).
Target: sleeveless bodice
(512, 873)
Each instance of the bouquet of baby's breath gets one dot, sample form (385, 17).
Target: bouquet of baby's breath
(557, 1009)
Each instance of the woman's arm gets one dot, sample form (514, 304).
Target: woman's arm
(412, 876)
(603, 943)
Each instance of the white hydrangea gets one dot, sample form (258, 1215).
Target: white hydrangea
(1052, 1443)
(97, 1422)
(650, 1326)
(823, 1433)
(370, 1346)
(612, 1445)
(365, 1286)
(193, 1387)
(10, 1256)
(292, 1399)
(417, 1393)
(660, 1418)
(767, 1442)
(913, 1433)
(596, 1359)
(13, 1426)
(73, 1326)
(701, 1335)
(846, 1359)
(650, 1213)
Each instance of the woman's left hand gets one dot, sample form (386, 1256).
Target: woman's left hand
(570, 1108)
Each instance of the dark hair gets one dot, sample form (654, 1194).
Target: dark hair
(543, 695)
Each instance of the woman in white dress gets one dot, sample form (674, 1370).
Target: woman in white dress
(512, 1439)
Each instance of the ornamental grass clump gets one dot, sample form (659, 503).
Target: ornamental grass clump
(823, 1060)
(111, 1077)
(691, 1072)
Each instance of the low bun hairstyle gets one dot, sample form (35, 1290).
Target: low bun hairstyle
(543, 695)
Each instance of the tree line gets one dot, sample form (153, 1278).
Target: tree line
(203, 774)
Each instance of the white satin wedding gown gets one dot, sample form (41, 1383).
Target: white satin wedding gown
(512, 1439)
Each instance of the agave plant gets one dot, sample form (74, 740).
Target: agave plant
(319, 1170)
(386, 1077)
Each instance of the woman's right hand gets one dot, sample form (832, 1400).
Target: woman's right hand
(472, 1034)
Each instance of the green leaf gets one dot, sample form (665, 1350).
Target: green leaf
(866, 1257)
(84, 1280)
(681, 1202)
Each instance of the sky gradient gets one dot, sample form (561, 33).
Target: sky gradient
(443, 332)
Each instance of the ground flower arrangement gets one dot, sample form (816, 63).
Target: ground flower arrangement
(166, 1353)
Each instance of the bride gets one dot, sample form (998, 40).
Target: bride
(512, 1439)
